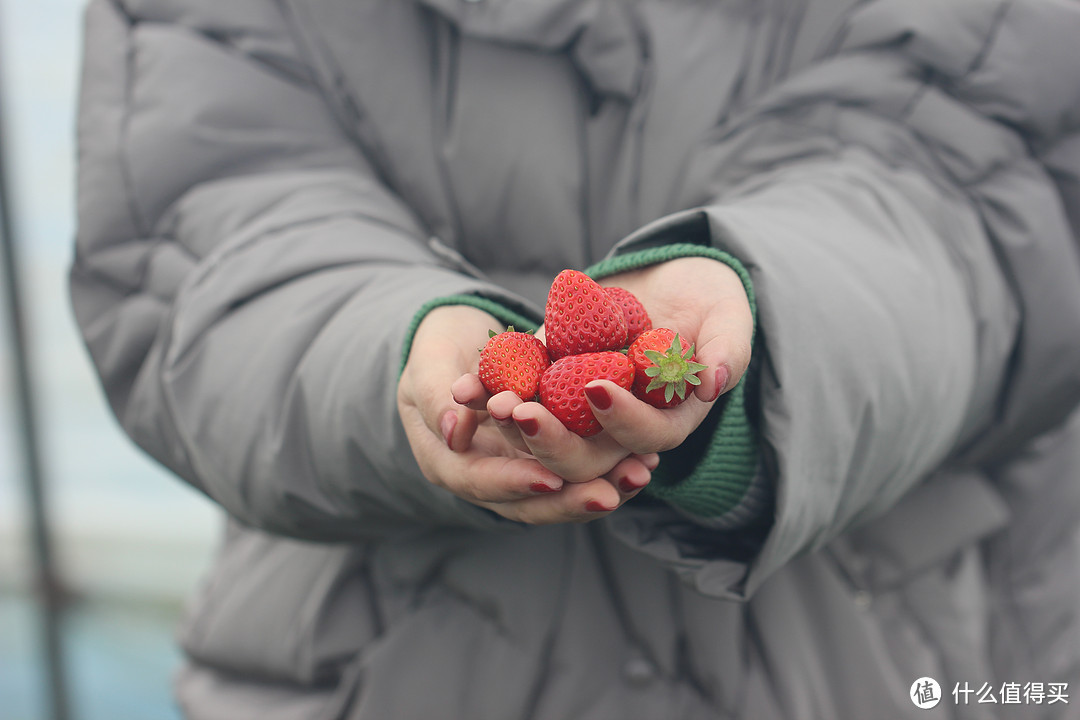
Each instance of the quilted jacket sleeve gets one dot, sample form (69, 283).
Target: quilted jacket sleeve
(901, 207)
(243, 280)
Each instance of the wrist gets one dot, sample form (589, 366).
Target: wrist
(469, 309)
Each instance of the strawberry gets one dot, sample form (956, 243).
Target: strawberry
(513, 361)
(581, 318)
(562, 386)
(637, 320)
(663, 368)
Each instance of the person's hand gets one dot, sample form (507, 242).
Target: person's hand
(464, 451)
(700, 298)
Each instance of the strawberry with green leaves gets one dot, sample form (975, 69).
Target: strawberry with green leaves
(513, 361)
(663, 368)
(580, 317)
(562, 387)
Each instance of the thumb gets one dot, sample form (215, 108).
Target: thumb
(457, 426)
(723, 344)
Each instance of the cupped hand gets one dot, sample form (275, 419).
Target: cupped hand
(705, 302)
(465, 451)
(702, 299)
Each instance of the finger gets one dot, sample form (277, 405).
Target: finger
(651, 461)
(581, 502)
(501, 409)
(427, 391)
(576, 502)
(568, 455)
(482, 473)
(458, 427)
(443, 352)
(723, 344)
(631, 475)
(467, 390)
(638, 426)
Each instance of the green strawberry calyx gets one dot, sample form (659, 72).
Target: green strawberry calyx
(673, 370)
(509, 329)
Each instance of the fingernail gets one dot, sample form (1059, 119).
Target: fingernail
(501, 419)
(528, 426)
(628, 486)
(596, 506)
(539, 487)
(651, 461)
(722, 375)
(599, 397)
(447, 425)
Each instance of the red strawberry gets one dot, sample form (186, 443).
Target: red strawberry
(562, 387)
(663, 368)
(513, 361)
(580, 317)
(637, 320)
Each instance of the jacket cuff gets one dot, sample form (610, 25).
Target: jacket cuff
(711, 476)
(637, 259)
(504, 314)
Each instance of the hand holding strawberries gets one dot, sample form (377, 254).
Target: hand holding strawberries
(468, 453)
(700, 298)
(705, 302)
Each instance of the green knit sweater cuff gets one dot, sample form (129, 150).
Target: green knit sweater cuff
(500, 311)
(708, 475)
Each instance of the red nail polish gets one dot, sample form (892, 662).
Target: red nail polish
(528, 426)
(596, 506)
(628, 486)
(447, 425)
(539, 487)
(722, 376)
(599, 397)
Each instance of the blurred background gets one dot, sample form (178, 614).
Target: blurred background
(129, 541)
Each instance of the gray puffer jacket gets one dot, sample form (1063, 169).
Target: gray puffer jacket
(271, 194)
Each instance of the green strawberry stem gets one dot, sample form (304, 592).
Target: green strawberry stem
(673, 370)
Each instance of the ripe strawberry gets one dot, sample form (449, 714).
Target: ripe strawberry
(663, 368)
(581, 318)
(637, 319)
(562, 387)
(513, 361)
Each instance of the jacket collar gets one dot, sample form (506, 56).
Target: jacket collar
(601, 36)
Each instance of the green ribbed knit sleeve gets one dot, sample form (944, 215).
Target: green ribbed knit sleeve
(710, 475)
